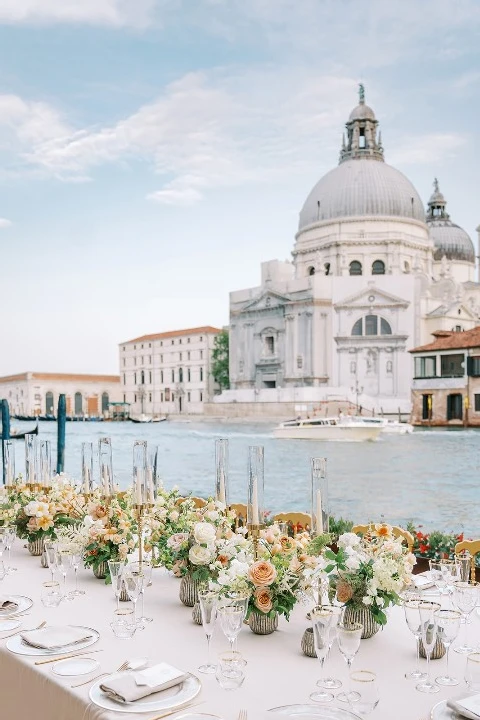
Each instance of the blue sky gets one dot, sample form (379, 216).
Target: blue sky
(154, 152)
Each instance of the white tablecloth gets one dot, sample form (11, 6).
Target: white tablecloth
(278, 673)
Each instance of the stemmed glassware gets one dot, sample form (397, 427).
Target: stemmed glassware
(10, 539)
(413, 623)
(133, 584)
(321, 622)
(331, 683)
(145, 568)
(437, 574)
(63, 562)
(3, 547)
(238, 600)
(448, 622)
(208, 608)
(348, 637)
(465, 595)
(50, 552)
(231, 620)
(450, 571)
(429, 627)
(76, 559)
(115, 568)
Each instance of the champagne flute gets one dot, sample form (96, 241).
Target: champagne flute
(449, 624)
(438, 576)
(348, 637)
(321, 623)
(76, 559)
(239, 600)
(231, 619)
(50, 550)
(10, 539)
(63, 564)
(465, 599)
(133, 585)
(115, 568)
(145, 568)
(429, 626)
(331, 683)
(410, 608)
(208, 608)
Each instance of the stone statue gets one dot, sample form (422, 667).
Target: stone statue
(361, 92)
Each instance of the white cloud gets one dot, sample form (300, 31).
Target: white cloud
(427, 149)
(116, 13)
(4, 223)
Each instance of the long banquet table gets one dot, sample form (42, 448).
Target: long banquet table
(277, 673)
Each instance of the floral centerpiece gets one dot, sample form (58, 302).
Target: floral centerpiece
(367, 574)
(9, 506)
(109, 529)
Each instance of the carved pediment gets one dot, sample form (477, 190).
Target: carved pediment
(266, 301)
(457, 311)
(371, 297)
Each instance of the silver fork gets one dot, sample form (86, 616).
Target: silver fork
(123, 666)
(242, 715)
(21, 631)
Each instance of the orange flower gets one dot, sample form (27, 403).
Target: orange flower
(344, 591)
(262, 599)
(286, 542)
(262, 573)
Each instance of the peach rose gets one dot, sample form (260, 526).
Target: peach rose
(286, 542)
(262, 599)
(344, 591)
(262, 573)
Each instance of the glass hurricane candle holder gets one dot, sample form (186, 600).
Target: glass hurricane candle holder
(319, 512)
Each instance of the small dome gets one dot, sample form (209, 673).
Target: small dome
(362, 187)
(361, 112)
(451, 241)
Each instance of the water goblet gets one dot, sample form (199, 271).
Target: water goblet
(115, 568)
(239, 600)
(321, 623)
(413, 623)
(465, 595)
(472, 672)
(231, 619)
(348, 637)
(331, 683)
(448, 622)
(144, 567)
(10, 539)
(124, 624)
(133, 585)
(230, 670)
(76, 559)
(63, 562)
(364, 685)
(208, 608)
(51, 595)
(428, 623)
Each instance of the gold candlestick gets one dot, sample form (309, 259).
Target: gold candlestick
(254, 533)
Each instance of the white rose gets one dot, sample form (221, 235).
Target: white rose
(348, 540)
(199, 555)
(174, 515)
(352, 562)
(212, 515)
(31, 508)
(238, 569)
(367, 600)
(204, 532)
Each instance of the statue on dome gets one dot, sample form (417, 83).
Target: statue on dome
(361, 92)
(435, 185)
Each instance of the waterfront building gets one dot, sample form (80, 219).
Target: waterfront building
(372, 275)
(446, 384)
(168, 372)
(33, 393)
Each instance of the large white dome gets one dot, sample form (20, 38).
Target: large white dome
(360, 187)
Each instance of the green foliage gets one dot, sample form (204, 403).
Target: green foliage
(435, 545)
(220, 360)
(338, 526)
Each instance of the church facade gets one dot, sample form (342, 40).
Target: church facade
(372, 276)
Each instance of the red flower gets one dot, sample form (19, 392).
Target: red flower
(424, 548)
(460, 537)
(420, 536)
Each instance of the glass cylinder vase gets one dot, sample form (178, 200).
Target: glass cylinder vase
(9, 462)
(256, 486)
(106, 467)
(221, 471)
(319, 498)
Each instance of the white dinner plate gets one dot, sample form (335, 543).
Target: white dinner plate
(23, 603)
(75, 666)
(314, 711)
(16, 645)
(440, 711)
(165, 700)
(6, 624)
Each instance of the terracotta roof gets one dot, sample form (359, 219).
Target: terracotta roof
(449, 340)
(205, 329)
(74, 377)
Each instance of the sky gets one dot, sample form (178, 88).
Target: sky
(154, 152)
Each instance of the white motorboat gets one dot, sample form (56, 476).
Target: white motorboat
(387, 426)
(335, 428)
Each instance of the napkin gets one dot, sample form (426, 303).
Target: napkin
(55, 638)
(7, 605)
(422, 581)
(132, 686)
(466, 706)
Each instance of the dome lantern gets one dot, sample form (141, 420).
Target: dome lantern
(361, 128)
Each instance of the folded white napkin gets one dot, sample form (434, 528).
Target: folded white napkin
(131, 686)
(466, 706)
(7, 605)
(54, 638)
(422, 581)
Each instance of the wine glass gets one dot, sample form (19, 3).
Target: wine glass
(63, 562)
(428, 624)
(437, 574)
(465, 599)
(450, 571)
(448, 622)
(413, 623)
(331, 683)
(231, 619)
(10, 539)
(230, 671)
(144, 567)
(321, 623)
(76, 559)
(115, 568)
(364, 685)
(472, 672)
(348, 637)
(239, 600)
(208, 608)
(50, 551)
(133, 585)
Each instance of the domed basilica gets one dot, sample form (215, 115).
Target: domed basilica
(372, 276)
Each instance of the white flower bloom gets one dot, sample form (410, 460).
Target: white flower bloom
(353, 562)
(348, 540)
(367, 600)
(212, 515)
(199, 555)
(204, 532)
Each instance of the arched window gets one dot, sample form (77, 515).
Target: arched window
(105, 402)
(311, 270)
(355, 267)
(371, 325)
(49, 410)
(78, 403)
(142, 378)
(378, 267)
(180, 375)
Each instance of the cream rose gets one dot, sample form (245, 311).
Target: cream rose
(204, 533)
(262, 599)
(176, 540)
(262, 572)
(199, 555)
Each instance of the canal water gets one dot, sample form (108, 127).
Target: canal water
(430, 477)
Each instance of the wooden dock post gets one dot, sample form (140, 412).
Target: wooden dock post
(61, 422)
